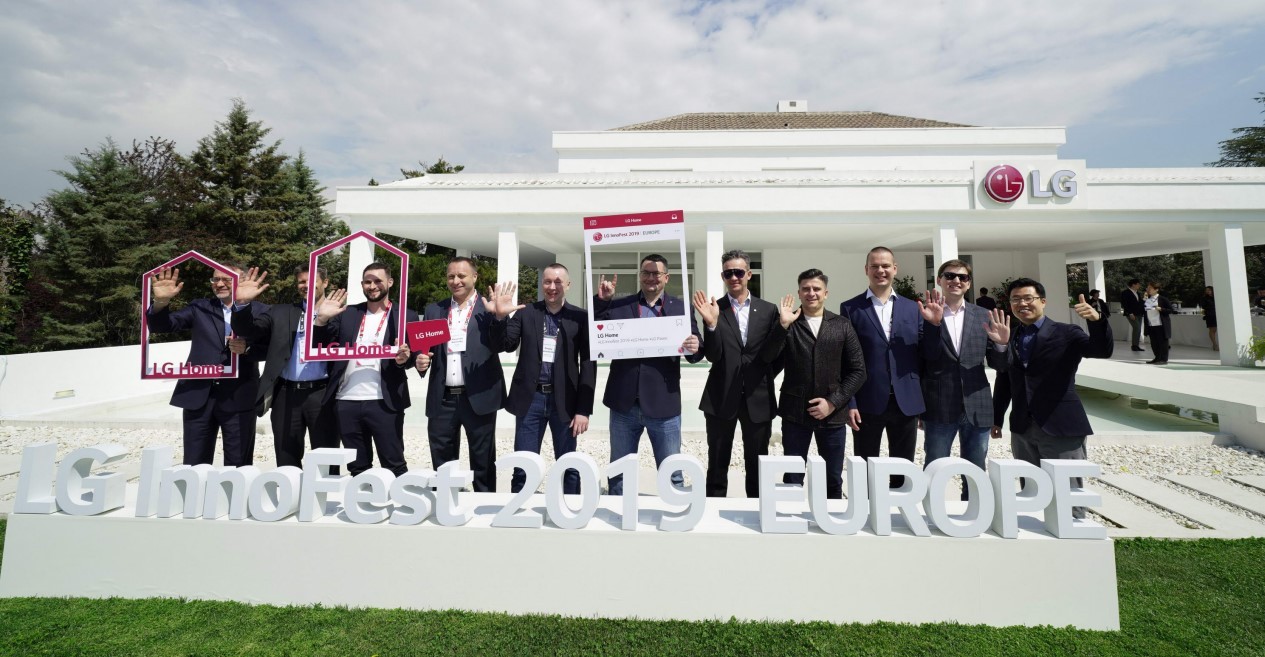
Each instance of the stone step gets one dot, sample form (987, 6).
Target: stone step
(1137, 520)
(1255, 481)
(1222, 490)
(9, 463)
(1226, 523)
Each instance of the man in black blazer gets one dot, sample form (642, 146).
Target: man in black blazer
(1131, 306)
(824, 368)
(293, 388)
(1036, 366)
(644, 394)
(955, 385)
(467, 387)
(210, 405)
(739, 388)
(554, 380)
(1159, 328)
(370, 393)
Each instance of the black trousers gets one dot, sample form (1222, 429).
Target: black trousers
(902, 435)
(295, 412)
(720, 446)
(369, 424)
(1159, 341)
(202, 425)
(444, 429)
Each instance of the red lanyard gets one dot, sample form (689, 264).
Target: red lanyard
(361, 336)
(455, 307)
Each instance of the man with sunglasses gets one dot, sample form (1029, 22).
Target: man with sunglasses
(955, 385)
(739, 388)
(211, 406)
(1036, 365)
(644, 394)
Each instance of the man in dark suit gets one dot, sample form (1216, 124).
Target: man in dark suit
(955, 385)
(1156, 311)
(739, 388)
(468, 386)
(984, 301)
(824, 368)
(644, 394)
(371, 393)
(1131, 306)
(897, 335)
(293, 388)
(554, 381)
(1036, 366)
(211, 405)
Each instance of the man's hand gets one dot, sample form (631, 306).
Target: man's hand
(1086, 311)
(605, 288)
(691, 344)
(995, 432)
(423, 362)
(237, 345)
(579, 424)
(707, 309)
(164, 287)
(932, 307)
(819, 408)
(854, 419)
(331, 306)
(998, 327)
(401, 356)
(500, 299)
(250, 286)
(787, 313)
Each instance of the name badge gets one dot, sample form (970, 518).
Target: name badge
(547, 348)
(457, 342)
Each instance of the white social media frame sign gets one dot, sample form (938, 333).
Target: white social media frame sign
(335, 351)
(181, 370)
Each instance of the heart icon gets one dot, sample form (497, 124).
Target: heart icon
(599, 327)
(680, 350)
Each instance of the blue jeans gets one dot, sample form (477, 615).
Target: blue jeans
(665, 440)
(529, 432)
(830, 446)
(973, 442)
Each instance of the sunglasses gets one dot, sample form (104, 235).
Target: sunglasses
(954, 276)
(733, 273)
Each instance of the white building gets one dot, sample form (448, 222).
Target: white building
(802, 189)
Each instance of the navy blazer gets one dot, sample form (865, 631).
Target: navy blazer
(480, 362)
(957, 383)
(574, 375)
(896, 364)
(1131, 302)
(739, 376)
(344, 329)
(654, 383)
(1044, 390)
(205, 319)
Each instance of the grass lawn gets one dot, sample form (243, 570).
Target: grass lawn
(1176, 598)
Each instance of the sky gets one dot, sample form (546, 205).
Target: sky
(367, 88)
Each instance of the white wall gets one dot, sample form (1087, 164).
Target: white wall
(28, 382)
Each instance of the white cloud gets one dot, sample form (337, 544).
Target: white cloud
(367, 88)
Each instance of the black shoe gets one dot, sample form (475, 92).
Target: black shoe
(1160, 362)
(1152, 361)
(1138, 349)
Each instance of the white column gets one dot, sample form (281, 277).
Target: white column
(1229, 278)
(1052, 272)
(359, 255)
(709, 278)
(507, 256)
(1098, 278)
(1207, 263)
(944, 245)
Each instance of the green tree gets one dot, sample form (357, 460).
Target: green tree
(18, 228)
(440, 166)
(1245, 150)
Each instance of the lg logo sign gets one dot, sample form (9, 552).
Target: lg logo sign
(1004, 184)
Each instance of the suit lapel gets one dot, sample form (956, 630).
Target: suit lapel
(872, 313)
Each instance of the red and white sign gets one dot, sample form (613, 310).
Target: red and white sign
(335, 351)
(427, 333)
(180, 370)
(1003, 183)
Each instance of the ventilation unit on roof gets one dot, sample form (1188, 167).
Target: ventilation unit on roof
(792, 106)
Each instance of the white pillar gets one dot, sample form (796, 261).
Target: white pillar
(359, 255)
(1207, 263)
(1098, 278)
(1229, 280)
(709, 279)
(507, 256)
(944, 246)
(1052, 272)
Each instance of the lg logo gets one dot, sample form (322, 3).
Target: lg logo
(597, 237)
(1004, 184)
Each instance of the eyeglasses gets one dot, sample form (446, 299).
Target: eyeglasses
(1024, 299)
(733, 273)
(954, 276)
(652, 274)
(218, 280)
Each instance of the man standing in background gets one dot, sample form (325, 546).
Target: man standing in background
(1131, 306)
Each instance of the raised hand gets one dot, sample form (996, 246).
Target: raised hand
(998, 327)
(932, 307)
(1086, 311)
(605, 288)
(707, 308)
(500, 299)
(787, 312)
(250, 285)
(331, 306)
(401, 356)
(164, 286)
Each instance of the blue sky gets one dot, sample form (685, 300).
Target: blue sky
(365, 89)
